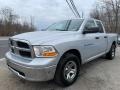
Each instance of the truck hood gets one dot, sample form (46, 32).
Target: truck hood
(40, 37)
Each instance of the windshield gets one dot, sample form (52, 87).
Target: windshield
(66, 25)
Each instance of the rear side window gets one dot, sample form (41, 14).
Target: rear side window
(99, 24)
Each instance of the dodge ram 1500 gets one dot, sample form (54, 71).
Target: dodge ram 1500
(59, 51)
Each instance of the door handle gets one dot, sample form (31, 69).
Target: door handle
(105, 36)
(97, 37)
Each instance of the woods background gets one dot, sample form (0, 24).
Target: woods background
(109, 12)
(10, 23)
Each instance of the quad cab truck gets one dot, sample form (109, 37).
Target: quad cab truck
(59, 51)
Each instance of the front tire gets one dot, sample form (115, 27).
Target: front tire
(67, 70)
(111, 54)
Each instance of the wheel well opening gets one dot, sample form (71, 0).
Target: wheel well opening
(75, 52)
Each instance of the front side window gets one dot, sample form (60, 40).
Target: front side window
(67, 25)
(90, 24)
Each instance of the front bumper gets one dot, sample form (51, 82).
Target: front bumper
(29, 72)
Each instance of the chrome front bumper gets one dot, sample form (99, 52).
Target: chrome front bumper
(31, 73)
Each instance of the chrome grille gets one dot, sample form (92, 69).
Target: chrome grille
(21, 48)
(22, 45)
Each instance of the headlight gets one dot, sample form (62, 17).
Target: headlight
(45, 51)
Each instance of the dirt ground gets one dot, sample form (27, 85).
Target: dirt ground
(100, 74)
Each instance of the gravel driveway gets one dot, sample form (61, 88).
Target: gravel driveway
(99, 74)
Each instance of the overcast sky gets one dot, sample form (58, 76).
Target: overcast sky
(46, 12)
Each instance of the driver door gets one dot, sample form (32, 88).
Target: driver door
(91, 41)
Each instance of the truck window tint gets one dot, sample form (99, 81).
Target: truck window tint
(100, 26)
(74, 25)
(60, 26)
(66, 25)
(90, 24)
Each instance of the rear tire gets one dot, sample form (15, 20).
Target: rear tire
(67, 70)
(111, 54)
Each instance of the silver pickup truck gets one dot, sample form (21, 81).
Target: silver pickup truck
(59, 52)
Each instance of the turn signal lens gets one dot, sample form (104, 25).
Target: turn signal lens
(49, 54)
(45, 51)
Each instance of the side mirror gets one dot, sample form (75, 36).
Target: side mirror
(91, 30)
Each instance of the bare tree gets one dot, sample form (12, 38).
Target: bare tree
(110, 14)
(10, 25)
(95, 13)
(115, 7)
(8, 15)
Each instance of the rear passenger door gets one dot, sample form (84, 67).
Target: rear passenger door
(102, 37)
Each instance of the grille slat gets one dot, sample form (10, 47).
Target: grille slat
(22, 44)
(11, 43)
(25, 53)
(12, 50)
(20, 48)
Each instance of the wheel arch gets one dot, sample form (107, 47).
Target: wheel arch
(75, 52)
(57, 72)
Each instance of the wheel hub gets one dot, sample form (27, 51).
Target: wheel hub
(70, 71)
